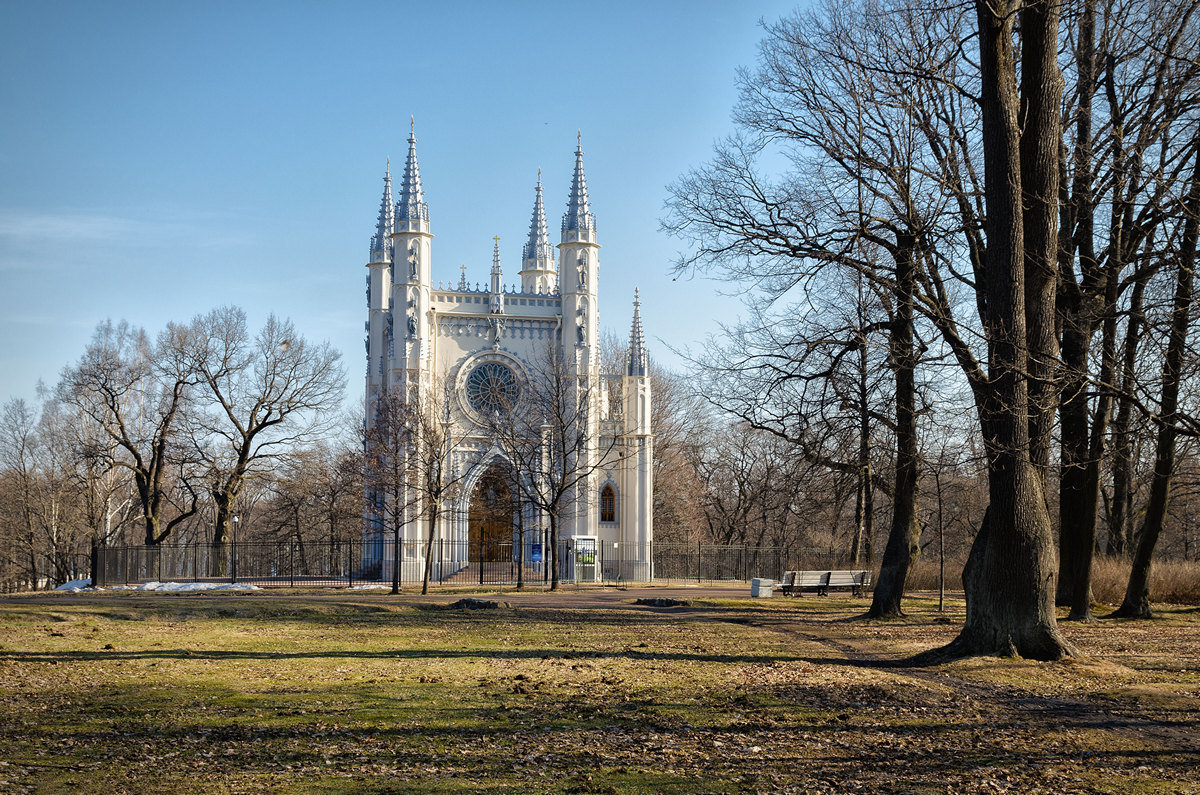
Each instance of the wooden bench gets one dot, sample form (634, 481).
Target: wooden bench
(795, 583)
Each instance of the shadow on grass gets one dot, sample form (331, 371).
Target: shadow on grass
(433, 654)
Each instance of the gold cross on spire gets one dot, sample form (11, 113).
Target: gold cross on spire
(464, 269)
(496, 238)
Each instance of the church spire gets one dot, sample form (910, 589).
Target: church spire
(412, 207)
(579, 218)
(381, 242)
(538, 254)
(497, 291)
(638, 360)
(537, 258)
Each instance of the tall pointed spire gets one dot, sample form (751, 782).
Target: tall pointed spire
(579, 216)
(537, 258)
(538, 254)
(381, 241)
(497, 286)
(638, 360)
(411, 206)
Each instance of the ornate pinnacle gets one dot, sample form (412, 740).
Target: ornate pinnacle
(381, 241)
(412, 206)
(638, 360)
(579, 216)
(538, 254)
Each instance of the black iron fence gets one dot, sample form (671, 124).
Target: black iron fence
(379, 562)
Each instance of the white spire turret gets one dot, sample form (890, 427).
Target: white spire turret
(497, 288)
(381, 241)
(412, 213)
(638, 360)
(537, 259)
(579, 218)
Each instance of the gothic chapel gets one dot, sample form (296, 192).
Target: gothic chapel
(483, 343)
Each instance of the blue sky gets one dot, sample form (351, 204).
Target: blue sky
(160, 159)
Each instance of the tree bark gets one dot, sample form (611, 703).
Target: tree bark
(1079, 483)
(434, 510)
(905, 534)
(1009, 576)
(1039, 151)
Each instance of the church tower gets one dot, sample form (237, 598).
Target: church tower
(579, 270)
(379, 291)
(639, 439)
(412, 277)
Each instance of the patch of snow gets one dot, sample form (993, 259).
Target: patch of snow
(75, 586)
(371, 586)
(196, 586)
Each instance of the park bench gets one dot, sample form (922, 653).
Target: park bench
(795, 583)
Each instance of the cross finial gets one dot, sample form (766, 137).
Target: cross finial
(636, 302)
(579, 138)
(412, 125)
(496, 239)
(464, 269)
(539, 178)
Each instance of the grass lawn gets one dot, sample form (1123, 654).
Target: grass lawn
(307, 691)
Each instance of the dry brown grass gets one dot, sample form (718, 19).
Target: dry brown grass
(1175, 582)
(581, 691)
(1171, 581)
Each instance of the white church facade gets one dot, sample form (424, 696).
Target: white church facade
(479, 345)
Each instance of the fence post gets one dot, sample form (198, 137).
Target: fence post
(699, 563)
(292, 565)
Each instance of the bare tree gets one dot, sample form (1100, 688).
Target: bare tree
(551, 435)
(135, 393)
(17, 456)
(262, 397)
(1137, 593)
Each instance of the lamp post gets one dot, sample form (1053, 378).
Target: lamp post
(233, 550)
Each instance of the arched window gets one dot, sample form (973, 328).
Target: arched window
(608, 504)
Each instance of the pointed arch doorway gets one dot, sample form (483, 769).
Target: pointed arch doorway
(490, 516)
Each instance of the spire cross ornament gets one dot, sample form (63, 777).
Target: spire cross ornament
(464, 270)
(496, 239)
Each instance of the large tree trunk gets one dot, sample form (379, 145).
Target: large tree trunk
(1040, 138)
(1079, 486)
(1010, 573)
(905, 534)
(1137, 592)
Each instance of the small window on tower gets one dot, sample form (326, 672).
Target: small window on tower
(608, 504)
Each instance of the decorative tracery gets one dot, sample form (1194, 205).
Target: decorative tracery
(492, 387)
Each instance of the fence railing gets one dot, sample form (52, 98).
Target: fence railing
(382, 561)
